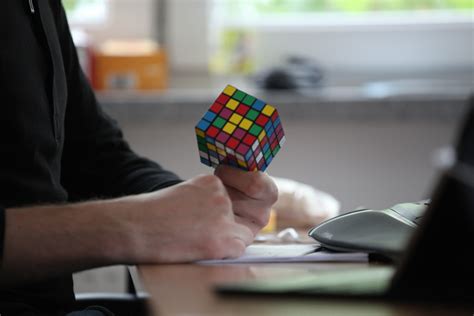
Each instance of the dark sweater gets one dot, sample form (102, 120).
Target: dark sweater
(56, 143)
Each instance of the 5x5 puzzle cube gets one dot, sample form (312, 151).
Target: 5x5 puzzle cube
(239, 130)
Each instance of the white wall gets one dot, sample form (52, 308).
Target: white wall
(126, 19)
(187, 34)
(362, 163)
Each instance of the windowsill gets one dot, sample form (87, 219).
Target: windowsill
(429, 97)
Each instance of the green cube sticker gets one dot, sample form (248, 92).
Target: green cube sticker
(267, 154)
(255, 130)
(252, 115)
(277, 148)
(239, 95)
(248, 100)
(219, 122)
(201, 140)
(202, 147)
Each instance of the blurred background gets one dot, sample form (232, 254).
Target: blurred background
(368, 91)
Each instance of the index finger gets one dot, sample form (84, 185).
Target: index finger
(256, 185)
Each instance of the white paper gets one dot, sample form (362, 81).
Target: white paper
(290, 253)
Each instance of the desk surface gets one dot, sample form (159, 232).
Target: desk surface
(186, 289)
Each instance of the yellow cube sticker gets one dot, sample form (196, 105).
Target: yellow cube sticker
(229, 90)
(200, 133)
(245, 124)
(232, 104)
(235, 118)
(268, 110)
(211, 146)
(229, 128)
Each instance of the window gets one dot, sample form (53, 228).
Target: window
(261, 10)
(341, 34)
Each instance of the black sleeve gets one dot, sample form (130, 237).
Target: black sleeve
(97, 161)
(2, 232)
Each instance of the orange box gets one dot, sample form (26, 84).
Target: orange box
(130, 65)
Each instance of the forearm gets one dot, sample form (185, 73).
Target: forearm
(48, 241)
(183, 223)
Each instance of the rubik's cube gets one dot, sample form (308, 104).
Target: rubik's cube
(239, 130)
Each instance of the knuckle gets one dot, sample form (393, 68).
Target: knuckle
(188, 188)
(273, 192)
(214, 249)
(263, 187)
(221, 226)
(258, 219)
(257, 185)
(207, 251)
(239, 249)
(206, 178)
(221, 200)
(197, 179)
(212, 181)
(263, 219)
(248, 237)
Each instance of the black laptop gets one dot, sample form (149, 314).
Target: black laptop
(437, 264)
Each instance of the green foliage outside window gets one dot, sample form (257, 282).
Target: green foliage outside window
(71, 5)
(358, 6)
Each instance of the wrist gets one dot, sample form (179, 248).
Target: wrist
(120, 239)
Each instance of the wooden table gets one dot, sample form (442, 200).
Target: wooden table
(188, 290)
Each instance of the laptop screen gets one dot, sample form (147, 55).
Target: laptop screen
(438, 263)
(465, 144)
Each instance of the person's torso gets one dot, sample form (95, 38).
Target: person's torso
(33, 96)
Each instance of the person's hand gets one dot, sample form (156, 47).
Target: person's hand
(187, 222)
(252, 195)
